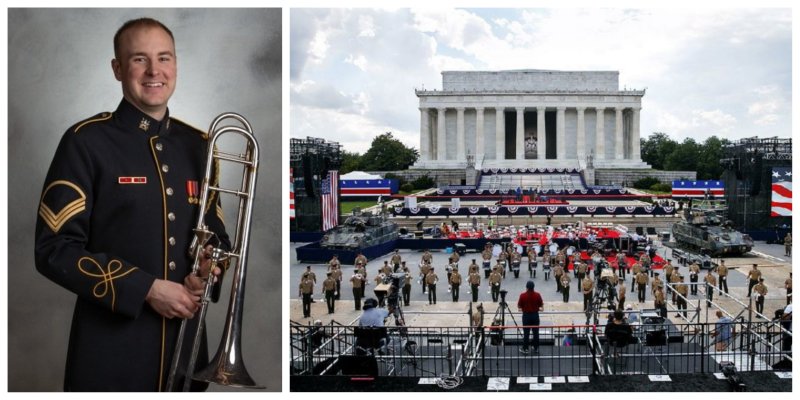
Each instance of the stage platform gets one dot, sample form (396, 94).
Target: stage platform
(755, 381)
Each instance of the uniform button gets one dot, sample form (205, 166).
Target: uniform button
(172, 265)
(159, 146)
(171, 216)
(169, 191)
(165, 168)
(172, 241)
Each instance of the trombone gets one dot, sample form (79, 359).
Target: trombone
(227, 367)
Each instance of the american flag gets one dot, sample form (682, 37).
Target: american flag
(781, 192)
(329, 188)
(291, 193)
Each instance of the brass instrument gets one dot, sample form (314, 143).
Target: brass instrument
(227, 367)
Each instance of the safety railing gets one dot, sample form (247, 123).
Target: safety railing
(653, 347)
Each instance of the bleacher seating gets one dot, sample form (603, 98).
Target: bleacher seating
(527, 181)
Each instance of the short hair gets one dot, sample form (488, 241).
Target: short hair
(619, 315)
(144, 22)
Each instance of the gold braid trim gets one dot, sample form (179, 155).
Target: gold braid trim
(107, 276)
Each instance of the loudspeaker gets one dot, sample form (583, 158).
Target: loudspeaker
(308, 176)
(359, 365)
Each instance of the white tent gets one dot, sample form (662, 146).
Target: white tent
(359, 175)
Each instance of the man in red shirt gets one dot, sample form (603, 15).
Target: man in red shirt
(530, 303)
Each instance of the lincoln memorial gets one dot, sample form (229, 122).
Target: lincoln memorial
(530, 119)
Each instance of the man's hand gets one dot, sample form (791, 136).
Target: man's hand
(171, 299)
(196, 284)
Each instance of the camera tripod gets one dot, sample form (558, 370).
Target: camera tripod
(604, 294)
(501, 313)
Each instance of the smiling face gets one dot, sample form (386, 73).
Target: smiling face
(147, 68)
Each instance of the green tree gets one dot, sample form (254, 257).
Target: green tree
(388, 154)
(656, 148)
(712, 150)
(684, 157)
(350, 162)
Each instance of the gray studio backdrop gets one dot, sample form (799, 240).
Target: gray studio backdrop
(59, 72)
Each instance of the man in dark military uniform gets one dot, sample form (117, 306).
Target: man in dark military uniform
(431, 279)
(486, 256)
(659, 301)
(115, 224)
(424, 269)
(557, 272)
(587, 286)
(336, 274)
(334, 262)
(711, 283)
(761, 292)
(306, 291)
(396, 260)
(472, 267)
(310, 274)
(622, 264)
(455, 284)
(581, 268)
(722, 272)
(494, 283)
(565, 281)
(360, 259)
(329, 290)
(407, 279)
(787, 284)
(682, 290)
(694, 277)
(641, 285)
(357, 280)
(754, 275)
(621, 294)
(532, 262)
(474, 285)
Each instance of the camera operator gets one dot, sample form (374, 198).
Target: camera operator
(372, 315)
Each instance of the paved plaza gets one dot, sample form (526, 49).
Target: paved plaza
(775, 268)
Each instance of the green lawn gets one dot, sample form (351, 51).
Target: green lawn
(348, 206)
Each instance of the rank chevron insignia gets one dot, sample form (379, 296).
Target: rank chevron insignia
(55, 220)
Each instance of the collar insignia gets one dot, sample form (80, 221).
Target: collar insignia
(144, 124)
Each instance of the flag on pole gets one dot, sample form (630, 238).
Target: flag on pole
(291, 193)
(781, 192)
(329, 188)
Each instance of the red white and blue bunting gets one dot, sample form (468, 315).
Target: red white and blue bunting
(434, 210)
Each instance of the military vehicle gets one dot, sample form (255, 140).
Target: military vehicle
(360, 230)
(704, 231)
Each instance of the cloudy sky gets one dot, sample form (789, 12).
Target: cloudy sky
(706, 72)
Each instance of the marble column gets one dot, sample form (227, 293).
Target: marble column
(461, 152)
(618, 151)
(479, 141)
(600, 135)
(441, 136)
(520, 133)
(424, 135)
(561, 150)
(500, 134)
(541, 134)
(581, 139)
(636, 152)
